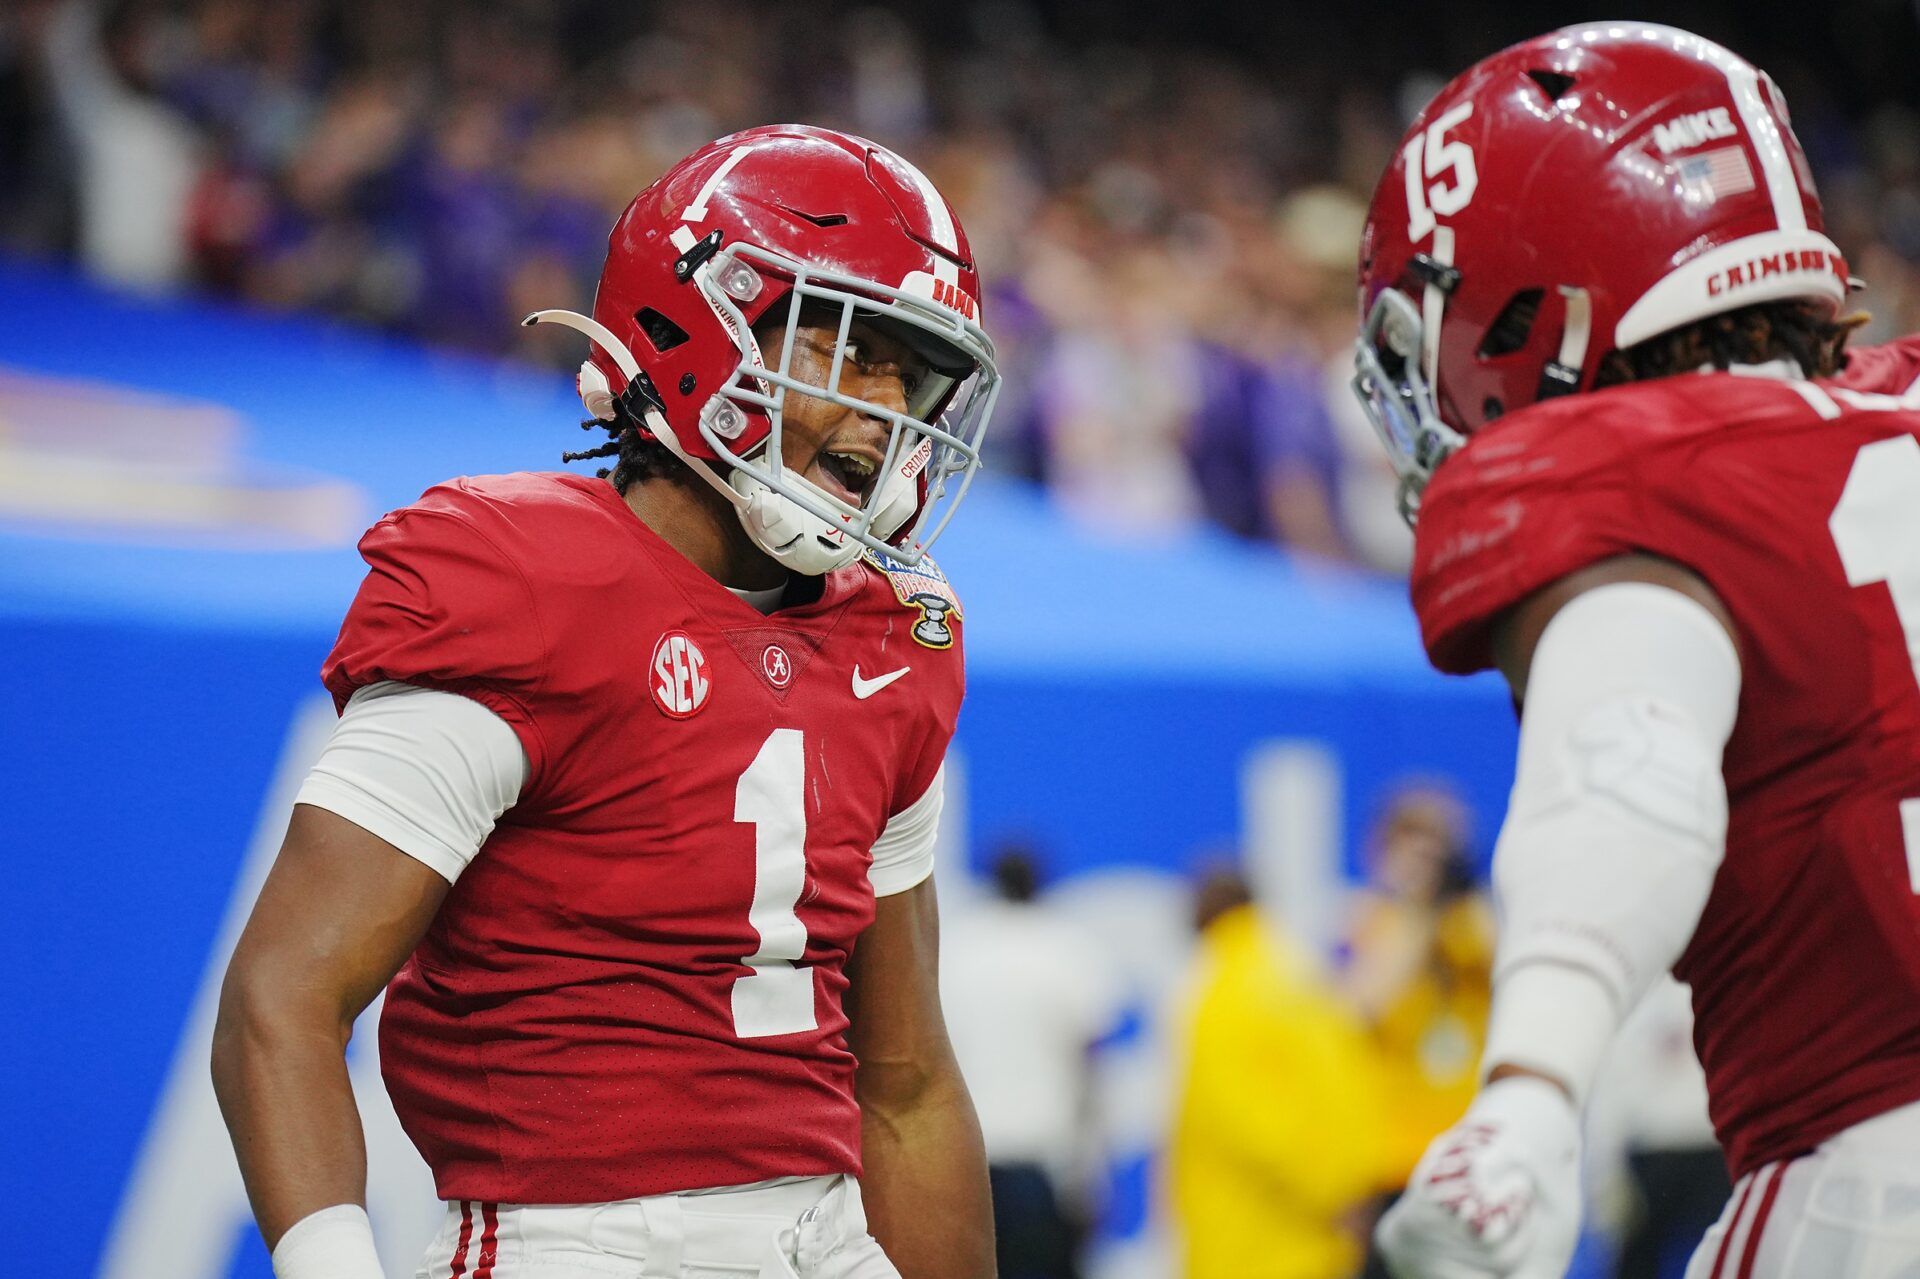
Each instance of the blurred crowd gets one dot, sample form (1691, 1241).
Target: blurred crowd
(1167, 224)
(1365, 1055)
(1295, 1089)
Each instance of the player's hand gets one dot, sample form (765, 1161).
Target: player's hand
(1496, 1196)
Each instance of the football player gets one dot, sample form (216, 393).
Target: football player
(1602, 328)
(627, 765)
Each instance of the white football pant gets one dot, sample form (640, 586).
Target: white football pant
(810, 1229)
(1848, 1210)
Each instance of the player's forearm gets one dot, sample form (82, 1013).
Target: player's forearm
(925, 1184)
(1617, 822)
(340, 912)
(281, 1077)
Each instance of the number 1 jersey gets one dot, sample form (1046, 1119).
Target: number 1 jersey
(636, 986)
(1799, 503)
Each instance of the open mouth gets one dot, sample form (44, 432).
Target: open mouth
(850, 474)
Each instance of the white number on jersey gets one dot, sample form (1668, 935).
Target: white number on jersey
(776, 998)
(1876, 528)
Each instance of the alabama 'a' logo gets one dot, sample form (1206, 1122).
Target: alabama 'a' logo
(776, 665)
(680, 676)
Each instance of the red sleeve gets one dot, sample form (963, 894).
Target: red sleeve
(1510, 514)
(441, 606)
(937, 733)
(1892, 368)
(939, 664)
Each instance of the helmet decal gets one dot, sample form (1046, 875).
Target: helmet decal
(1448, 167)
(697, 211)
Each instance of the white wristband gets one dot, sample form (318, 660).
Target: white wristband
(334, 1243)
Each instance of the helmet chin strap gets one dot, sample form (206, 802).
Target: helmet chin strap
(803, 541)
(1433, 305)
(1561, 376)
(794, 537)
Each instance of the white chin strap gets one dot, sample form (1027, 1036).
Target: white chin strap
(801, 540)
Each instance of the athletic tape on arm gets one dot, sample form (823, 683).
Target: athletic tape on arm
(334, 1243)
(1617, 822)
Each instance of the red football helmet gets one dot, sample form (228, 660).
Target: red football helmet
(796, 215)
(1570, 196)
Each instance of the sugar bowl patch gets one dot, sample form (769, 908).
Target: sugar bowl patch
(925, 589)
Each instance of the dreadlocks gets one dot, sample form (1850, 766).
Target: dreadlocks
(641, 456)
(1792, 329)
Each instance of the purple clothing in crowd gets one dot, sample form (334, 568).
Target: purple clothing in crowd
(1256, 425)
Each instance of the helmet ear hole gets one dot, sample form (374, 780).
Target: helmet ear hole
(662, 332)
(1513, 326)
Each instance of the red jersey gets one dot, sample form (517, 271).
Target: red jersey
(636, 986)
(1799, 503)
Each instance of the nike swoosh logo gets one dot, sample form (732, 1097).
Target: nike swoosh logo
(865, 688)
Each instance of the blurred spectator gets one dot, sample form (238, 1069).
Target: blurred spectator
(1320, 226)
(1279, 1124)
(1420, 966)
(1302, 471)
(1118, 391)
(1027, 994)
(137, 158)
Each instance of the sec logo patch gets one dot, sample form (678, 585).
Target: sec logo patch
(681, 678)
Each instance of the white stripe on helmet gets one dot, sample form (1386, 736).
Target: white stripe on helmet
(939, 223)
(1770, 145)
(1763, 130)
(697, 211)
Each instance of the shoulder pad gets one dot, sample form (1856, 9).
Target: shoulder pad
(1892, 368)
(524, 492)
(1570, 482)
(1521, 506)
(925, 589)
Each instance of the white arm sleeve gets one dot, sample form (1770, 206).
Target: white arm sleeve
(1617, 822)
(903, 855)
(427, 771)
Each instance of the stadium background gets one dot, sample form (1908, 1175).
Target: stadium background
(260, 268)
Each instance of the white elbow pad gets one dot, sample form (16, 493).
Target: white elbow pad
(1617, 823)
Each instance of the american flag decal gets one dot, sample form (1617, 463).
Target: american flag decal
(1715, 175)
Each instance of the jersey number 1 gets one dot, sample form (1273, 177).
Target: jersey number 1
(776, 998)
(1876, 528)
